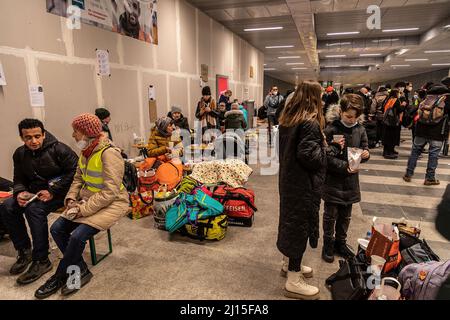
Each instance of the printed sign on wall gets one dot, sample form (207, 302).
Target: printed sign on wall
(2, 76)
(37, 96)
(103, 67)
(133, 18)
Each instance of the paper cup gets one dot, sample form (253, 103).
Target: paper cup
(377, 264)
(337, 137)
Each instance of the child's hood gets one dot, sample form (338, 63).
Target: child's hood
(334, 113)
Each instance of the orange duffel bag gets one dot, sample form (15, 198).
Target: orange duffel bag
(170, 174)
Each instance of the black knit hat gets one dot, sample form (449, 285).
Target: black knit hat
(102, 113)
(206, 91)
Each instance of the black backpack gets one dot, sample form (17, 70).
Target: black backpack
(349, 282)
(130, 178)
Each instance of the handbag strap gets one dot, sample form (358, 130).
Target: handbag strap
(145, 202)
(237, 196)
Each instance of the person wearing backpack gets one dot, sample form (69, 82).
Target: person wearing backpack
(341, 189)
(377, 111)
(391, 121)
(433, 128)
(96, 200)
(302, 157)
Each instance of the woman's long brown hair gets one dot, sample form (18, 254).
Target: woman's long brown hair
(305, 105)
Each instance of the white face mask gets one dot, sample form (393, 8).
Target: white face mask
(82, 144)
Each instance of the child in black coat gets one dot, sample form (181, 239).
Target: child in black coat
(341, 189)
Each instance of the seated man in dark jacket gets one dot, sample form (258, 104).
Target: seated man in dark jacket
(44, 167)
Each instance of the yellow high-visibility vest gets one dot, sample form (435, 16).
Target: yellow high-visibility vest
(92, 172)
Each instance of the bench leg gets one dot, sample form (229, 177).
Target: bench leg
(97, 258)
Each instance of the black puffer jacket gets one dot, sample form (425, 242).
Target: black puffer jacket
(34, 169)
(302, 173)
(342, 187)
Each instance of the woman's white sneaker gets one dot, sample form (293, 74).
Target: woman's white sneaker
(297, 288)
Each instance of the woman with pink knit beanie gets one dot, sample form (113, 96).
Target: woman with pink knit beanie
(96, 200)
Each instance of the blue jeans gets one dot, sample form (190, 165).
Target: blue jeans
(433, 156)
(36, 214)
(71, 238)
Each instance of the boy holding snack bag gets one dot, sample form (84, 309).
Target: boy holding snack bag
(348, 147)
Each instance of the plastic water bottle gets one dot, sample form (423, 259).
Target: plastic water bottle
(368, 235)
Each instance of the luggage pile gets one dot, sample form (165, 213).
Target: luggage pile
(157, 181)
(395, 264)
(200, 205)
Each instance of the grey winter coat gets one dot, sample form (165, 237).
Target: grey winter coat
(342, 187)
(272, 103)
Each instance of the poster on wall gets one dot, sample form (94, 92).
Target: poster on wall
(2, 76)
(37, 96)
(103, 67)
(151, 93)
(133, 18)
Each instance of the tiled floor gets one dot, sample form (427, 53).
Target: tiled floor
(150, 264)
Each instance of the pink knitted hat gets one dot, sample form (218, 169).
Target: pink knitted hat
(88, 124)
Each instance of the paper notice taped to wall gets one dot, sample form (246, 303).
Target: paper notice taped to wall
(2, 76)
(103, 66)
(37, 96)
(151, 93)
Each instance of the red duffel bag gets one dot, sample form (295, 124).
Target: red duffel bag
(239, 204)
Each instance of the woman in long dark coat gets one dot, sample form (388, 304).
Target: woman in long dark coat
(302, 173)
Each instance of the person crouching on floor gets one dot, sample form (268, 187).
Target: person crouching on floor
(159, 143)
(342, 183)
(97, 199)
